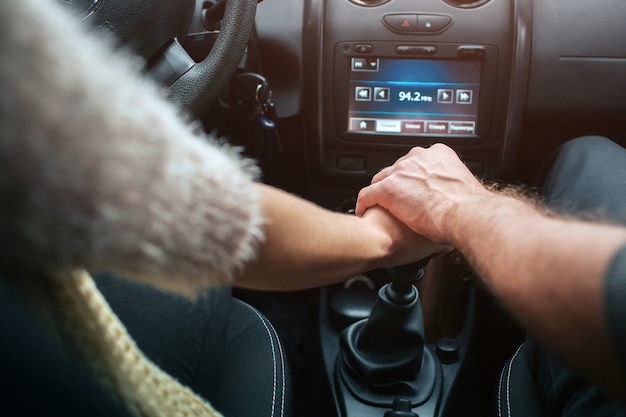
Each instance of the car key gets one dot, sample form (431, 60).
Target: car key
(267, 116)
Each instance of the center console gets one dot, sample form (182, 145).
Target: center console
(383, 76)
(380, 77)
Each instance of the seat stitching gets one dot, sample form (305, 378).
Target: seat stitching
(508, 380)
(500, 383)
(274, 364)
(274, 386)
(282, 364)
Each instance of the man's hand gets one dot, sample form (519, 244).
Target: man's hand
(423, 189)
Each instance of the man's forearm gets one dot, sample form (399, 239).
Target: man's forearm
(548, 271)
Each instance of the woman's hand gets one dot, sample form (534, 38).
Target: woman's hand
(405, 246)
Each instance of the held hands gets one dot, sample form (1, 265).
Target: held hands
(424, 190)
(403, 245)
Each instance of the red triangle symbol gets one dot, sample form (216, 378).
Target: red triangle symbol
(406, 24)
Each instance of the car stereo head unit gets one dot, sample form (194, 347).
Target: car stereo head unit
(402, 91)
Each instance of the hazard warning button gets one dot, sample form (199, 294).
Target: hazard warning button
(401, 22)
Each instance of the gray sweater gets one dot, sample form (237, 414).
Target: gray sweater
(99, 170)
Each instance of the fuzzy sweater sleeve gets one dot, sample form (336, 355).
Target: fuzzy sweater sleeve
(98, 170)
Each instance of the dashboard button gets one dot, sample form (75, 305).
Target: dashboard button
(350, 163)
(471, 51)
(432, 23)
(415, 50)
(363, 48)
(403, 23)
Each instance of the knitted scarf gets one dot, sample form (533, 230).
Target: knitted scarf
(80, 312)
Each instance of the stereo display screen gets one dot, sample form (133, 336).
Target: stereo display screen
(391, 96)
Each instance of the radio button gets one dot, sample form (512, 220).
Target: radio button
(464, 96)
(413, 127)
(365, 64)
(445, 96)
(363, 93)
(415, 50)
(471, 51)
(381, 94)
(437, 127)
(362, 125)
(363, 48)
(462, 128)
(388, 126)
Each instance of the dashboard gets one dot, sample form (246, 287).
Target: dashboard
(502, 82)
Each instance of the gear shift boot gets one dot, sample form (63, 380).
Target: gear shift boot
(384, 357)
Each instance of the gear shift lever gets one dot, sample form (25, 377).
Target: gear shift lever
(383, 357)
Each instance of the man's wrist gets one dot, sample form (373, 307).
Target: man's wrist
(479, 212)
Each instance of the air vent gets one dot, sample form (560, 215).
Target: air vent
(369, 3)
(466, 4)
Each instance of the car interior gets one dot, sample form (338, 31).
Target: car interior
(325, 93)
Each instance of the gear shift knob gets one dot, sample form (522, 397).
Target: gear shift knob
(404, 277)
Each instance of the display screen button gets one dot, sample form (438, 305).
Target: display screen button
(381, 94)
(445, 96)
(388, 126)
(412, 127)
(362, 125)
(363, 93)
(365, 64)
(464, 96)
(437, 127)
(462, 128)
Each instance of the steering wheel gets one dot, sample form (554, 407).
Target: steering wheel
(147, 25)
